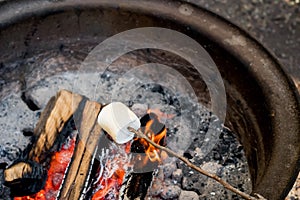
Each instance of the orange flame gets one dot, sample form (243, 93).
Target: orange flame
(151, 151)
(58, 165)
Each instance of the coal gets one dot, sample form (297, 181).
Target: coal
(186, 130)
(25, 182)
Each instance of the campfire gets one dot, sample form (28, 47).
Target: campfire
(70, 157)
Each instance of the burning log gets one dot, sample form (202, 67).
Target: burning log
(32, 173)
(27, 175)
(52, 121)
(146, 158)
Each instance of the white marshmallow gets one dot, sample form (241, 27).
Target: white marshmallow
(115, 118)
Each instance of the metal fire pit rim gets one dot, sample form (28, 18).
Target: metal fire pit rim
(243, 46)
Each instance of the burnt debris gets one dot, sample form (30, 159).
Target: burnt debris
(25, 177)
(138, 182)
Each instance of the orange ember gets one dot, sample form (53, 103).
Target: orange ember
(112, 184)
(114, 162)
(112, 172)
(58, 165)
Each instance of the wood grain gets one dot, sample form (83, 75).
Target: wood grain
(89, 135)
(54, 117)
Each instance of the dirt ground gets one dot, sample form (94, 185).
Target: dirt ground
(276, 24)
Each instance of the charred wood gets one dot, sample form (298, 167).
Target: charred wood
(27, 175)
(138, 182)
(52, 121)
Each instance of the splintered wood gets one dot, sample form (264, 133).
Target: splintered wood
(89, 136)
(53, 119)
(59, 110)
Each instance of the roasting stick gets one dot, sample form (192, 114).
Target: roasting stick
(140, 134)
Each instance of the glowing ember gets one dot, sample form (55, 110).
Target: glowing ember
(114, 163)
(58, 165)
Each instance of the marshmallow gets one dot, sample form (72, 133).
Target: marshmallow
(115, 118)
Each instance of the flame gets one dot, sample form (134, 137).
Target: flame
(151, 151)
(114, 164)
(58, 165)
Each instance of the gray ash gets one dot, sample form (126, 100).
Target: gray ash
(187, 124)
(227, 160)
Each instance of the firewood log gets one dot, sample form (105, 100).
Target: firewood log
(27, 174)
(89, 134)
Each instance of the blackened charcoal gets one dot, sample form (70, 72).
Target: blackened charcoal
(172, 100)
(187, 155)
(38, 114)
(25, 178)
(156, 126)
(32, 105)
(130, 103)
(157, 88)
(3, 165)
(145, 119)
(106, 76)
(154, 88)
(217, 156)
(64, 134)
(137, 185)
(27, 132)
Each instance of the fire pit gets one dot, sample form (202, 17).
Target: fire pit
(43, 43)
